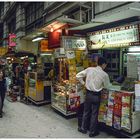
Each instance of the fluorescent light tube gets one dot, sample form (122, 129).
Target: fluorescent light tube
(134, 49)
(46, 54)
(37, 39)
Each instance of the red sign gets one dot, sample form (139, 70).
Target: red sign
(12, 40)
(54, 40)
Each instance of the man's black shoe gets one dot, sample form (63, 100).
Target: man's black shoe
(82, 131)
(94, 134)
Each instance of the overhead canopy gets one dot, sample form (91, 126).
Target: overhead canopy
(19, 54)
(55, 24)
(86, 26)
(118, 16)
(59, 23)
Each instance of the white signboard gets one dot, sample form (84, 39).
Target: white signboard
(113, 38)
(59, 52)
(73, 43)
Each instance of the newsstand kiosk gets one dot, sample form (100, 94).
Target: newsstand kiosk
(119, 109)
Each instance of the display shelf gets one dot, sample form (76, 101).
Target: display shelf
(62, 111)
(117, 113)
(64, 83)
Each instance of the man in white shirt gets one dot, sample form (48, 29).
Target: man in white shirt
(96, 80)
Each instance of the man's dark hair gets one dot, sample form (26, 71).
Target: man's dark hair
(101, 61)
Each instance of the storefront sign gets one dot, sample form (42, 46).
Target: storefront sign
(115, 37)
(54, 40)
(44, 45)
(12, 40)
(59, 52)
(73, 42)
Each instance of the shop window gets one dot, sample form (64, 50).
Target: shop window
(113, 55)
(1, 10)
(108, 55)
(33, 12)
(115, 76)
(12, 26)
(108, 65)
(114, 66)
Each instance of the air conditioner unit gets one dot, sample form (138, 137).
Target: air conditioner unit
(76, 15)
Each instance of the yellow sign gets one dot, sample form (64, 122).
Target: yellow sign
(44, 45)
(3, 50)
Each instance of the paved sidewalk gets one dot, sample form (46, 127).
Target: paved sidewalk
(28, 121)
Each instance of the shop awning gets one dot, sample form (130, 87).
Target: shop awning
(59, 23)
(54, 24)
(86, 26)
(18, 54)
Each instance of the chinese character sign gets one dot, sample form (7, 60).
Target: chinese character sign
(116, 37)
(12, 40)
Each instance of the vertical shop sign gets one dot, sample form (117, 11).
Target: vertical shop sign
(12, 40)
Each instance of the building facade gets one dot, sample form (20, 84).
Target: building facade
(24, 18)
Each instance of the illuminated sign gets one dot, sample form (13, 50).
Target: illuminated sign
(115, 37)
(73, 42)
(12, 40)
(44, 45)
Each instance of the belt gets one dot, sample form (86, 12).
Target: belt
(94, 92)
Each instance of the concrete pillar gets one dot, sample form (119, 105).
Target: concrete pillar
(20, 25)
(5, 34)
(6, 7)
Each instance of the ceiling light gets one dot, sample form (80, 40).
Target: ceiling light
(52, 29)
(134, 8)
(39, 33)
(59, 30)
(37, 39)
(46, 54)
(134, 49)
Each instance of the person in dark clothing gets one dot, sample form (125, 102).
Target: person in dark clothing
(96, 80)
(2, 91)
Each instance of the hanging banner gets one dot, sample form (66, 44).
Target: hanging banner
(114, 37)
(12, 40)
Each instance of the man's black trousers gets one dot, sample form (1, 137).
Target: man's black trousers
(80, 114)
(91, 109)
